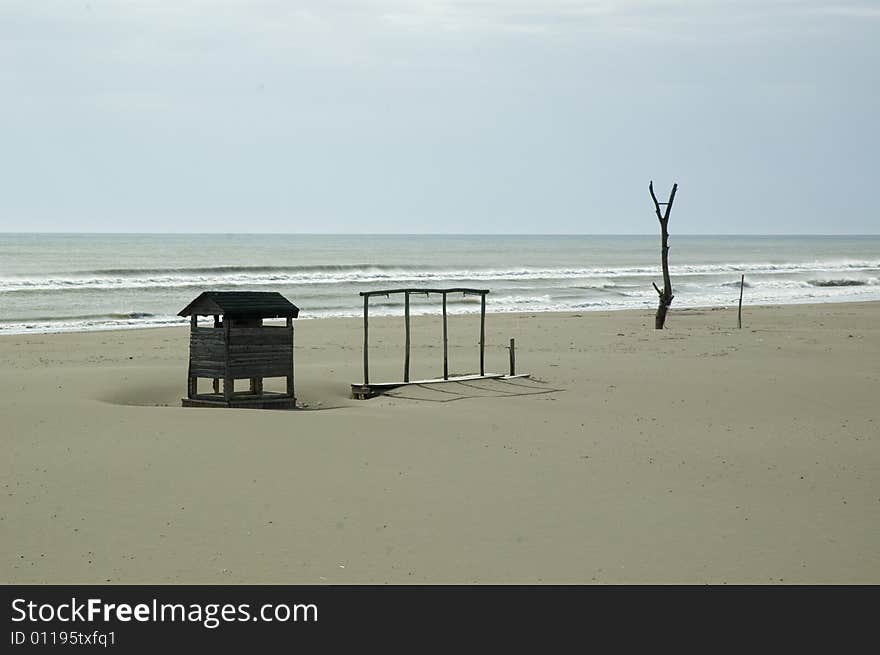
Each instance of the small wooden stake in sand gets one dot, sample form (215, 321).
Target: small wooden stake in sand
(739, 314)
(512, 357)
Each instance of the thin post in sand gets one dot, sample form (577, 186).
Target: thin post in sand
(483, 334)
(512, 357)
(445, 343)
(366, 341)
(406, 321)
(739, 314)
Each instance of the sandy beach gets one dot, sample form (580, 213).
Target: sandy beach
(699, 454)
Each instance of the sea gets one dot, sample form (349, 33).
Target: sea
(76, 282)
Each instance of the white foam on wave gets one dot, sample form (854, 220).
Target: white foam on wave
(324, 291)
(261, 276)
(512, 304)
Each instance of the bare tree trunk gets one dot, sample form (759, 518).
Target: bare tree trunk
(662, 308)
(739, 312)
(665, 293)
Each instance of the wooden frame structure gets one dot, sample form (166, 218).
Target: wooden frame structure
(368, 389)
(239, 346)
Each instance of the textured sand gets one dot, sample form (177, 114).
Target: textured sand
(701, 453)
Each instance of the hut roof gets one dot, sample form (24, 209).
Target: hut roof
(262, 304)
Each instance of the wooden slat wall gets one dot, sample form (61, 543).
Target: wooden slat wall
(261, 352)
(262, 335)
(252, 352)
(206, 369)
(252, 370)
(207, 352)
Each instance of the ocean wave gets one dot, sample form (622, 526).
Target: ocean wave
(357, 274)
(97, 322)
(247, 269)
(112, 316)
(498, 303)
(843, 282)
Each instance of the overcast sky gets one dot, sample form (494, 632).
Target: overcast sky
(508, 116)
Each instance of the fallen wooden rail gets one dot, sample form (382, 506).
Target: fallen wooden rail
(363, 391)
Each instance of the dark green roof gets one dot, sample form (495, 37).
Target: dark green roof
(257, 304)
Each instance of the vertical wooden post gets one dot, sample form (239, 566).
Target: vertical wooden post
(445, 343)
(227, 377)
(739, 313)
(482, 334)
(290, 391)
(216, 381)
(256, 384)
(366, 342)
(406, 321)
(191, 381)
(512, 357)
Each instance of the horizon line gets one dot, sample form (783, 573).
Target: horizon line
(448, 234)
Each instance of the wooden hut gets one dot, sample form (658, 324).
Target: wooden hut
(238, 346)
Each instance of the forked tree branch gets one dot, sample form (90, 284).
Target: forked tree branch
(656, 203)
(666, 293)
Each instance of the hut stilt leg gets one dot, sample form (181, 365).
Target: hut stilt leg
(192, 382)
(228, 382)
(290, 389)
(215, 383)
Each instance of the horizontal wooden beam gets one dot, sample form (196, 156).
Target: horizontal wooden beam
(460, 378)
(386, 292)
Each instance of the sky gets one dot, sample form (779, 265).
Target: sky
(443, 116)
